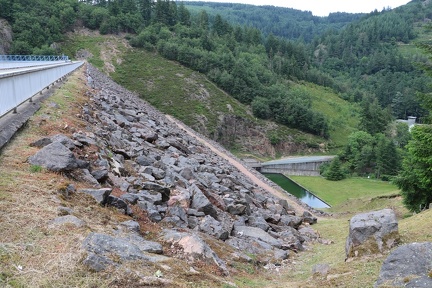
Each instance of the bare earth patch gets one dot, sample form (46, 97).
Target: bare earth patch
(111, 54)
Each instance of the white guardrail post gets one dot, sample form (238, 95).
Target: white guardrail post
(20, 85)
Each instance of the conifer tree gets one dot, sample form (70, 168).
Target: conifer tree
(335, 172)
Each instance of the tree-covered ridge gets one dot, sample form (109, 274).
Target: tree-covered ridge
(251, 68)
(282, 22)
(362, 62)
(38, 23)
(237, 58)
(366, 60)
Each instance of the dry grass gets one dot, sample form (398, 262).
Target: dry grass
(31, 254)
(34, 255)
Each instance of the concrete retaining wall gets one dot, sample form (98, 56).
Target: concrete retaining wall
(296, 169)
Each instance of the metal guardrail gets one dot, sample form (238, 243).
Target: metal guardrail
(33, 58)
(16, 87)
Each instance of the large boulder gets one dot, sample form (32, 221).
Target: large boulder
(201, 203)
(372, 233)
(409, 265)
(211, 226)
(264, 252)
(193, 248)
(105, 250)
(55, 157)
(257, 234)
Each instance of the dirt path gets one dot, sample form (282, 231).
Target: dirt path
(299, 209)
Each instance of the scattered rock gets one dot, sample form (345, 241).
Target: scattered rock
(55, 157)
(321, 269)
(409, 265)
(66, 220)
(372, 233)
(256, 233)
(63, 211)
(104, 250)
(100, 195)
(309, 218)
(212, 227)
(194, 248)
(174, 179)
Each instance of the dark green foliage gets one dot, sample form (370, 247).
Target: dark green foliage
(335, 170)
(261, 108)
(372, 155)
(373, 118)
(415, 178)
(250, 62)
(358, 154)
(402, 136)
(283, 22)
(388, 162)
(145, 8)
(38, 23)
(237, 61)
(183, 14)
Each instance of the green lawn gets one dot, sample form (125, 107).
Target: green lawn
(336, 193)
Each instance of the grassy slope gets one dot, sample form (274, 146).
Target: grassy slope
(163, 82)
(183, 93)
(176, 90)
(91, 43)
(48, 260)
(350, 197)
(338, 193)
(343, 116)
(423, 36)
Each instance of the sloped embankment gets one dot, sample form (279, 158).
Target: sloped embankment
(177, 209)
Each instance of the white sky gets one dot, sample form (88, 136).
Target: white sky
(324, 7)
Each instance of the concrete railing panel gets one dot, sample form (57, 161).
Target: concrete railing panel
(18, 86)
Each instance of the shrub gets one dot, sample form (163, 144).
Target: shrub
(335, 171)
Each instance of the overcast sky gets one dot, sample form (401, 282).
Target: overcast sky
(324, 7)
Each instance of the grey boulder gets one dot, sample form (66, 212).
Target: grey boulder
(409, 265)
(372, 233)
(55, 157)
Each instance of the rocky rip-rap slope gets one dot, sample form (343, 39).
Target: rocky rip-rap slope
(178, 214)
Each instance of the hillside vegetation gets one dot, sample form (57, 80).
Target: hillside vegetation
(282, 22)
(192, 98)
(257, 94)
(31, 255)
(358, 60)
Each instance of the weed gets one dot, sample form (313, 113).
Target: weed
(245, 267)
(35, 168)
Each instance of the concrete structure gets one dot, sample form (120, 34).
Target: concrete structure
(18, 85)
(22, 85)
(253, 163)
(410, 122)
(303, 166)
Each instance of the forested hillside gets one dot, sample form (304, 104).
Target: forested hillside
(362, 58)
(282, 22)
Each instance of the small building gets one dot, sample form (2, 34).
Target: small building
(411, 121)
